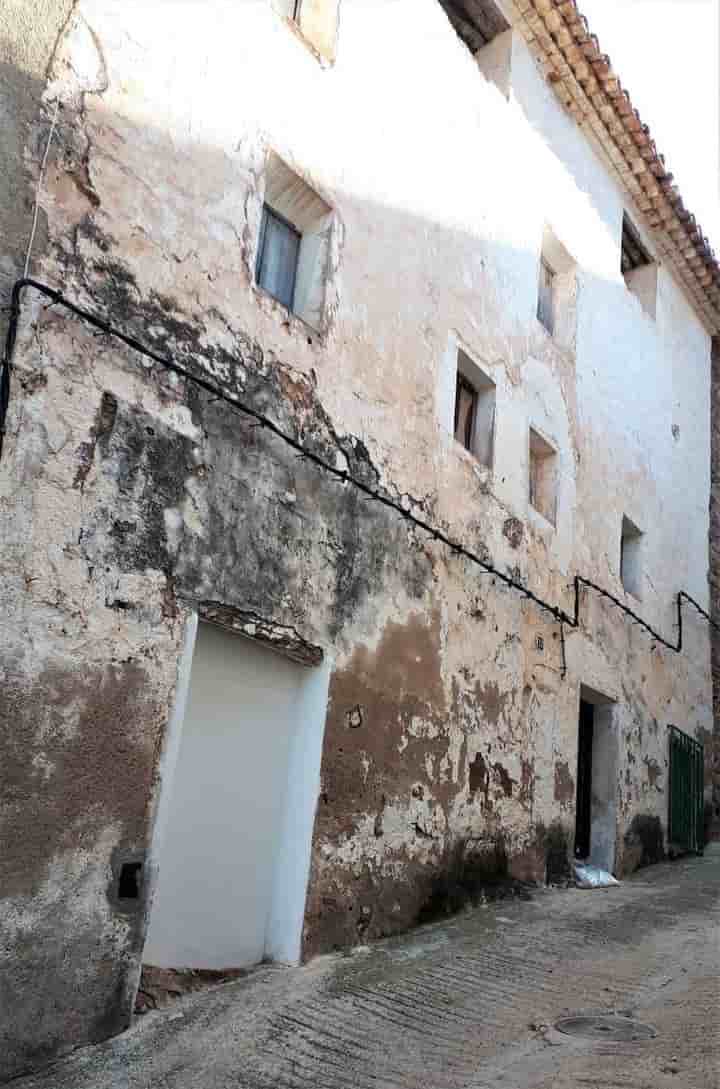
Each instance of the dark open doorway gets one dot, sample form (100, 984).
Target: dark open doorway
(583, 802)
(596, 781)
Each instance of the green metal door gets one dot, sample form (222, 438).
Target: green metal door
(685, 816)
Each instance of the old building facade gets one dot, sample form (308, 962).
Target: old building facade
(380, 316)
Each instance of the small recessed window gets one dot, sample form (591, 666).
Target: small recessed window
(631, 557)
(474, 423)
(638, 268)
(557, 289)
(633, 254)
(546, 295)
(277, 259)
(294, 243)
(543, 476)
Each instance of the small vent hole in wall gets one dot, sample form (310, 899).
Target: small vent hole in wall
(130, 879)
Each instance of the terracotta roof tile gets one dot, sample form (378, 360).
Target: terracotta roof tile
(584, 80)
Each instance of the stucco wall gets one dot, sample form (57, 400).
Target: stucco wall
(129, 497)
(28, 37)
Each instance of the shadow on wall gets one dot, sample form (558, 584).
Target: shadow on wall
(471, 873)
(26, 48)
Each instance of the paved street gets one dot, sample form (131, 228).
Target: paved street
(468, 1003)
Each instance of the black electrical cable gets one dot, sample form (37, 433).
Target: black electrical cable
(558, 614)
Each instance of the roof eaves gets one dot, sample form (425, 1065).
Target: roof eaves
(585, 82)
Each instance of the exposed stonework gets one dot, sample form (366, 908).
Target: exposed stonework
(281, 638)
(131, 498)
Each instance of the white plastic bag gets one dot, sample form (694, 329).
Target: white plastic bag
(592, 877)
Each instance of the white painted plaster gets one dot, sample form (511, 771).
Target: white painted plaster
(242, 798)
(292, 859)
(167, 764)
(604, 787)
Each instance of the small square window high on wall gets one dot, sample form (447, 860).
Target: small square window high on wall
(543, 476)
(638, 268)
(293, 243)
(633, 254)
(546, 291)
(631, 557)
(474, 421)
(556, 290)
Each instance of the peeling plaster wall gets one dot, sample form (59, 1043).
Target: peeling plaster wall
(712, 743)
(28, 37)
(128, 497)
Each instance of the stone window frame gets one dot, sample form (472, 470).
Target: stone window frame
(632, 546)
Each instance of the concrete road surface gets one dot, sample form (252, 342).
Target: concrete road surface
(467, 1003)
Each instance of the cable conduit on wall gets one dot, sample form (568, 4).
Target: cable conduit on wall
(563, 618)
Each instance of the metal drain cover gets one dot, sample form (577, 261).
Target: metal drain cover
(606, 1027)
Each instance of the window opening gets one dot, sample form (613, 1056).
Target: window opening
(294, 242)
(543, 477)
(278, 255)
(638, 268)
(633, 254)
(474, 422)
(546, 295)
(631, 557)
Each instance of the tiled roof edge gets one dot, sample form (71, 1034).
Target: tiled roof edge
(584, 80)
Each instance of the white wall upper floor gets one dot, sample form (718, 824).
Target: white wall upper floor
(442, 188)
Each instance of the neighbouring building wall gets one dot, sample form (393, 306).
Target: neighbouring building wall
(131, 498)
(712, 754)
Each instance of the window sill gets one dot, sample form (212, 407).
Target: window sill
(292, 321)
(485, 472)
(541, 521)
